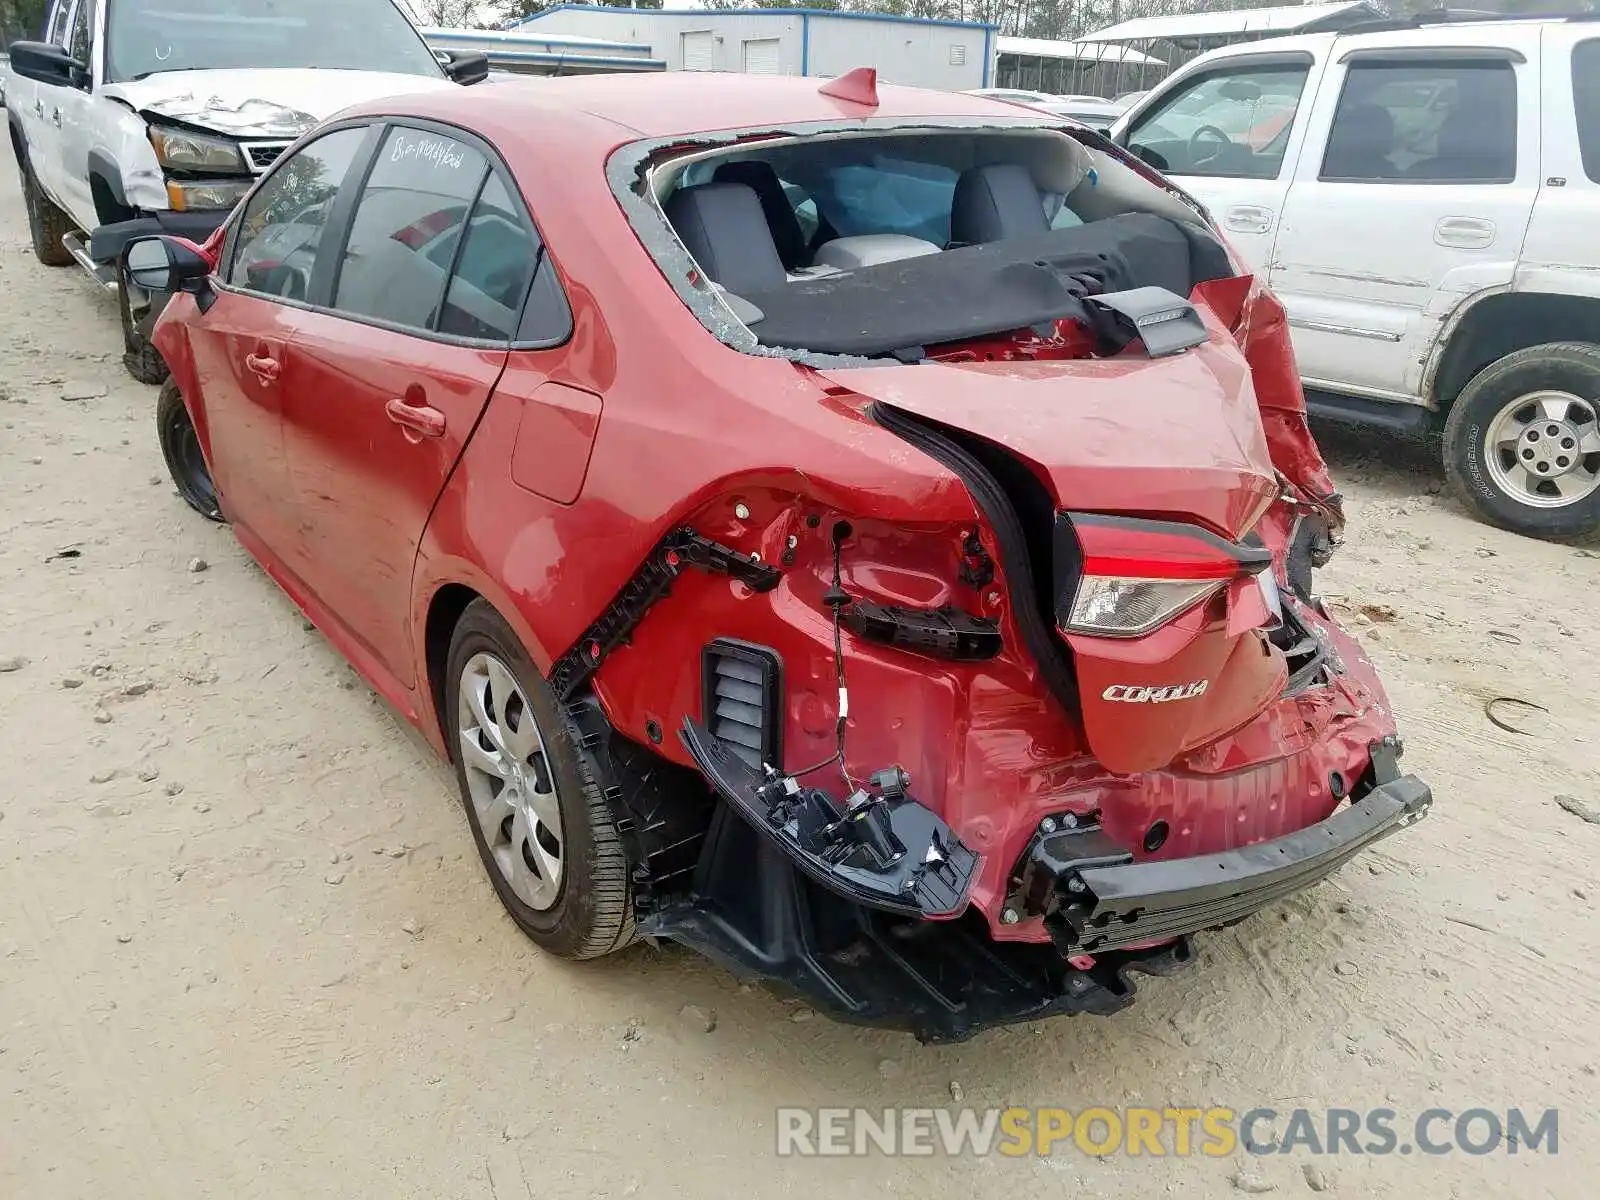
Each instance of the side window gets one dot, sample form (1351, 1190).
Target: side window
(493, 270)
(1586, 96)
(78, 44)
(406, 228)
(1441, 122)
(55, 30)
(1230, 124)
(280, 230)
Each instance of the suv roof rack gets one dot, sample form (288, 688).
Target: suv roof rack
(1460, 16)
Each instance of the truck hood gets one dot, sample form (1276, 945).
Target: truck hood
(280, 103)
(1178, 437)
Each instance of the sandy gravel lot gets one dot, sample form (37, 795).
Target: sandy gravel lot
(246, 949)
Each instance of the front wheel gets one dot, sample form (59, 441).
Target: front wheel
(180, 446)
(143, 360)
(1522, 445)
(544, 830)
(48, 225)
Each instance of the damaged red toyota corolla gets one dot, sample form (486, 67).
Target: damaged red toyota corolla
(869, 540)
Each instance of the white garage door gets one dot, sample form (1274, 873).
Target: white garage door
(699, 51)
(761, 56)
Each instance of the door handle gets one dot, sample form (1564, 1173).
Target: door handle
(264, 368)
(38, 108)
(416, 421)
(1249, 218)
(55, 117)
(1464, 233)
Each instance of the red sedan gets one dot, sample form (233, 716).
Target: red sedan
(865, 535)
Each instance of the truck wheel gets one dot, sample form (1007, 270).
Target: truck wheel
(47, 223)
(1522, 445)
(544, 829)
(143, 360)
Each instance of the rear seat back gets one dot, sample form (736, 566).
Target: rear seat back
(995, 202)
(722, 225)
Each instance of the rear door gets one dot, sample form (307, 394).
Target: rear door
(1421, 195)
(1230, 134)
(412, 331)
(242, 345)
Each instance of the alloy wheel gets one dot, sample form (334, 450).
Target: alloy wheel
(510, 781)
(1543, 449)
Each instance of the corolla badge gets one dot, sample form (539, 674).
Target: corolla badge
(1128, 693)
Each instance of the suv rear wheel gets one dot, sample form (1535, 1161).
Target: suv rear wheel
(1522, 445)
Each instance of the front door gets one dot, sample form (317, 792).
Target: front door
(1422, 196)
(1230, 135)
(398, 366)
(243, 346)
(78, 128)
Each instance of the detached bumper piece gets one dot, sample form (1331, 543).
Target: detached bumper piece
(885, 851)
(757, 907)
(1094, 898)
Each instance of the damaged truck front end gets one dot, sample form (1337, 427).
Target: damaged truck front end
(1014, 678)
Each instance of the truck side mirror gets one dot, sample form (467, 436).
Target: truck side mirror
(465, 67)
(47, 64)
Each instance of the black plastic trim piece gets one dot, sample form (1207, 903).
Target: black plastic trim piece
(1406, 55)
(1398, 415)
(683, 547)
(936, 632)
(1104, 906)
(1048, 651)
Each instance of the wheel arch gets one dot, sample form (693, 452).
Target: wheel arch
(446, 589)
(19, 140)
(105, 187)
(1501, 322)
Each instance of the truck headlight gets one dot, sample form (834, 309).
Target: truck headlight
(194, 197)
(179, 150)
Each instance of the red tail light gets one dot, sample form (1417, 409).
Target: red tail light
(1136, 575)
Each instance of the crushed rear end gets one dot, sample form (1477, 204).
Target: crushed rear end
(986, 753)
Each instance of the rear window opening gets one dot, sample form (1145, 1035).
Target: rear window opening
(905, 243)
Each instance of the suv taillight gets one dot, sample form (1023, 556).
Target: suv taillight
(1135, 575)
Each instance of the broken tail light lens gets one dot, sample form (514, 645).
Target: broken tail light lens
(1135, 575)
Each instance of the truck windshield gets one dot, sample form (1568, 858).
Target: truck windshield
(147, 37)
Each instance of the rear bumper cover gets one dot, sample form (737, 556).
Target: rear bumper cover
(758, 907)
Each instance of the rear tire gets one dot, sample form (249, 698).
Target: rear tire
(1522, 444)
(543, 828)
(180, 446)
(47, 223)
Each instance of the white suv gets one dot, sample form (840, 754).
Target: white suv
(1423, 197)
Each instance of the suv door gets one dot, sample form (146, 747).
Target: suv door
(1416, 189)
(1230, 134)
(1561, 247)
(77, 130)
(41, 111)
(415, 325)
(242, 347)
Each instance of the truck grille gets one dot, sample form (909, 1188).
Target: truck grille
(262, 155)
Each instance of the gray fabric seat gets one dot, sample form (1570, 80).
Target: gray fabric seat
(723, 226)
(995, 202)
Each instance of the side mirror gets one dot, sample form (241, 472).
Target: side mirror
(44, 63)
(466, 67)
(163, 264)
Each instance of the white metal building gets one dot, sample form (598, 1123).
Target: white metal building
(953, 55)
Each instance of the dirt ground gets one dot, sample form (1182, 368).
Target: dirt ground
(246, 948)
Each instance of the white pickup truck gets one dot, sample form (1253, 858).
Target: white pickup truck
(131, 117)
(1423, 196)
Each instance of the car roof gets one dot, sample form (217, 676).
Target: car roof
(682, 102)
